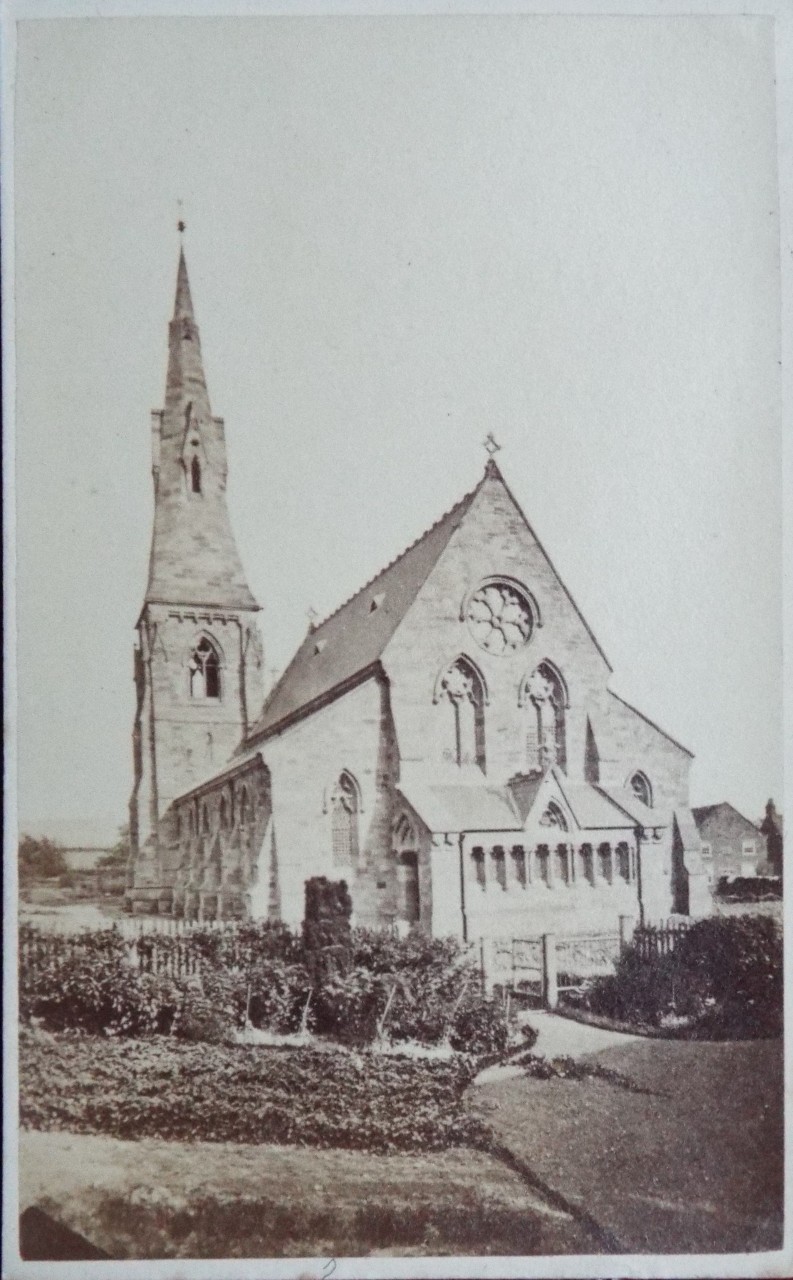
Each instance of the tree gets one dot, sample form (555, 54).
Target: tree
(40, 859)
(771, 827)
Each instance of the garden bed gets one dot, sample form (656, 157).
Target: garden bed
(164, 1088)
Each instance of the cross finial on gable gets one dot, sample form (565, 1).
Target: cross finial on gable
(312, 616)
(490, 444)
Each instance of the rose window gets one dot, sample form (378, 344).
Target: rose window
(499, 616)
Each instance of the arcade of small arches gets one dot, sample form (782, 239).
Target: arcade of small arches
(562, 865)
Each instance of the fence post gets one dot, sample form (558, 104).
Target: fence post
(550, 990)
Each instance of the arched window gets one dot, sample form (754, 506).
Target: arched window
(553, 817)
(546, 698)
(405, 844)
(585, 870)
(204, 820)
(195, 475)
(344, 821)
(623, 861)
(243, 806)
(640, 786)
(224, 812)
(204, 667)
(562, 865)
(462, 687)
(605, 863)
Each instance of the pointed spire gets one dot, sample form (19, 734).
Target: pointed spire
(183, 304)
(185, 367)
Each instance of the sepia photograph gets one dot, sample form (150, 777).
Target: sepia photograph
(395, 789)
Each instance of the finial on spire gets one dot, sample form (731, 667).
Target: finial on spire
(181, 226)
(491, 447)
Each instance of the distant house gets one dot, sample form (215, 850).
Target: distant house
(731, 844)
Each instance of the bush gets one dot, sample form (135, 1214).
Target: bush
(724, 979)
(169, 1089)
(206, 984)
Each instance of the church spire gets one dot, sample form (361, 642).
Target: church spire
(194, 557)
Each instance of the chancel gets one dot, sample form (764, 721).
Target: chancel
(447, 741)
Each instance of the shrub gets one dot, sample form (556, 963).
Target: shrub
(277, 995)
(480, 1027)
(724, 977)
(348, 1006)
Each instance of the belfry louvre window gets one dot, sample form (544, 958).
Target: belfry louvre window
(204, 671)
(344, 822)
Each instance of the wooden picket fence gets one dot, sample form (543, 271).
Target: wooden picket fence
(659, 940)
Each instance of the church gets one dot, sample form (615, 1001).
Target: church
(446, 742)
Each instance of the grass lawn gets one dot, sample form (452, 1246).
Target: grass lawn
(155, 1199)
(695, 1165)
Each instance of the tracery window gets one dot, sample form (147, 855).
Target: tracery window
(462, 687)
(640, 786)
(344, 821)
(545, 698)
(204, 668)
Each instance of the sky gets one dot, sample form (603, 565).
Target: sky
(403, 233)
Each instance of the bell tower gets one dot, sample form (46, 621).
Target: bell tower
(198, 656)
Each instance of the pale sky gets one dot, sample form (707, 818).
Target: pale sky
(403, 233)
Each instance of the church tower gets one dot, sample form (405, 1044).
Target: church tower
(198, 657)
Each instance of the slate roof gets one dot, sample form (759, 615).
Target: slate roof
(461, 807)
(348, 644)
(704, 812)
(592, 808)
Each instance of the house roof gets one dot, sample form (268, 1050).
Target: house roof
(347, 645)
(703, 812)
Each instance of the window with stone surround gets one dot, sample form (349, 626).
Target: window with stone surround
(462, 688)
(344, 821)
(195, 475)
(204, 669)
